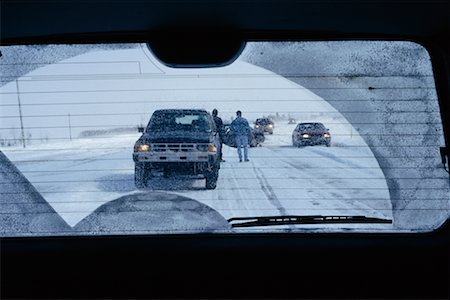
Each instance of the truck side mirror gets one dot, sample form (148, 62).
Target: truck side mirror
(141, 129)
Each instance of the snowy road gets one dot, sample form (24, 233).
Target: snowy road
(77, 177)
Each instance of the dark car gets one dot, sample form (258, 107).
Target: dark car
(255, 137)
(311, 134)
(264, 125)
(292, 121)
(178, 141)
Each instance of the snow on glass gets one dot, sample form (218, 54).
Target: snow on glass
(69, 119)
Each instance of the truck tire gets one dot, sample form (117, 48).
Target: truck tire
(140, 175)
(211, 179)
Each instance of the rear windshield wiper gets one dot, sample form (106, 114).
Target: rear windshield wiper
(292, 220)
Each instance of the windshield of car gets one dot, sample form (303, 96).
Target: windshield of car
(72, 160)
(311, 126)
(175, 121)
(262, 121)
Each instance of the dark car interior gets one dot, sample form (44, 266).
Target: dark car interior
(203, 33)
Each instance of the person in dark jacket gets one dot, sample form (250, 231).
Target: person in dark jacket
(241, 131)
(219, 127)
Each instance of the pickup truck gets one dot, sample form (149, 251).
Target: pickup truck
(178, 142)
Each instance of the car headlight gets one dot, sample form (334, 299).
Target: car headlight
(270, 125)
(305, 135)
(141, 147)
(257, 126)
(326, 135)
(144, 148)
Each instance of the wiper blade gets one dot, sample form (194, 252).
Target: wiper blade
(293, 220)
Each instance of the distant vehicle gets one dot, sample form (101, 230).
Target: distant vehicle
(264, 125)
(178, 142)
(292, 121)
(311, 134)
(255, 137)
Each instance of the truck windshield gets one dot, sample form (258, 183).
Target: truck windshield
(173, 121)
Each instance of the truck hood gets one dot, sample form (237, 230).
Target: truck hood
(175, 137)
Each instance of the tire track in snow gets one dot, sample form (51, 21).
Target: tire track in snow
(344, 205)
(235, 189)
(268, 190)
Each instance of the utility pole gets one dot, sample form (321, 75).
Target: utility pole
(20, 114)
(70, 127)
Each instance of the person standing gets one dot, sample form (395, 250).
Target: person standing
(219, 127)
(241, 131)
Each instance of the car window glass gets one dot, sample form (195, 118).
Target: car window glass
(365, 156)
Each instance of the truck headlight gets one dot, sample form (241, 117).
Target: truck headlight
(144, 148)
(141, 148)
(326, 135)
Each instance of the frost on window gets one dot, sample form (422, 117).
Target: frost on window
(104, 139)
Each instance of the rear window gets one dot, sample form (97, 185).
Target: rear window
(74, 163)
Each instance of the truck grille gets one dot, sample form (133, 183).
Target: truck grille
(173, 147)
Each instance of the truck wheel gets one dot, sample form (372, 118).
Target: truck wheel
(211, 179)
(140, 175)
